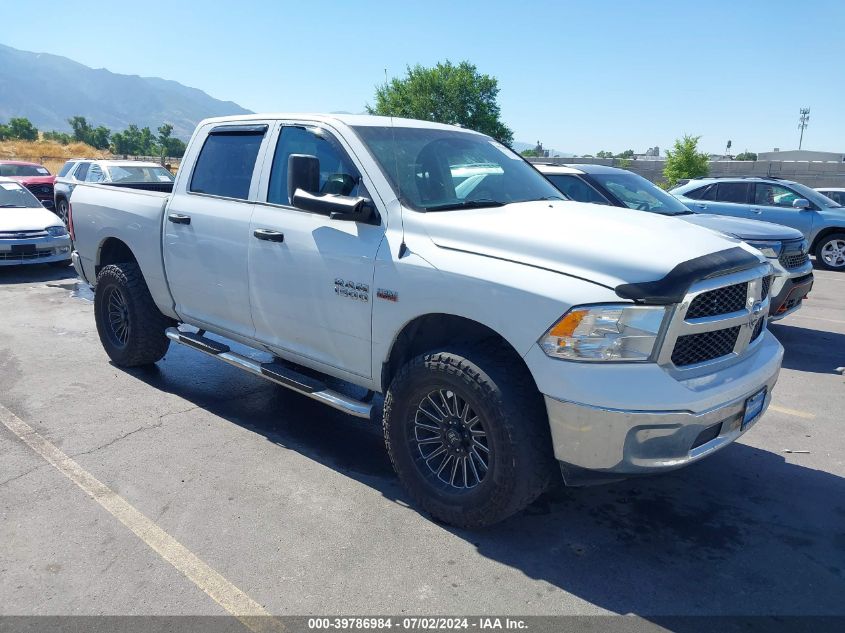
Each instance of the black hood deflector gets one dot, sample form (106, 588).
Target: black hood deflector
(674, 286)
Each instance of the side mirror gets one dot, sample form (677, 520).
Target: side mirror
(303, 173)
(801, 203)
(347, 208)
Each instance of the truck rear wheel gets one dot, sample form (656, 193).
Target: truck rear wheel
(130, 326)
(468, 435)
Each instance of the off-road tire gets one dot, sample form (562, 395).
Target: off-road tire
(145, 341)
(821, 244)
(505, 398)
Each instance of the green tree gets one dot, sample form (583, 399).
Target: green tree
(628, 153)
(445, 93)
(685, 161)
(20, 128)
(530, 153)
(604, 154)
(4, 132)
(81, 128)
(99, 137)
(746, 155)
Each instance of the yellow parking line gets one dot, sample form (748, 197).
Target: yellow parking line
(223, 592)
(798, 414)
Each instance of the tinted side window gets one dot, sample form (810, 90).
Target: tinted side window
(66, 168)
(736, 192)
(337, 173)
(225, 165)
(81, 171)
(707, 192)
(576, 188)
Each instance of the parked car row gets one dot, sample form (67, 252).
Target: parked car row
(33, 176)
(29, 233)
(785, 247)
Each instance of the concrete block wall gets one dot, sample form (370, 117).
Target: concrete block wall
(810, 173)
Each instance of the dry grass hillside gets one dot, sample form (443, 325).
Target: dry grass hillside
(48, 153)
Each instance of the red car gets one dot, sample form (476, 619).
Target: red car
(33, 176)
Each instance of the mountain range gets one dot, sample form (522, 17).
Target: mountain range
(49, 89)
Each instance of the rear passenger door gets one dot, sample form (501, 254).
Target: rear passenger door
(724, 198)
(206, 229)
(773, 203)
(311, 276)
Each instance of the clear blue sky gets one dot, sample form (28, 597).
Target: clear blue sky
(580, 76)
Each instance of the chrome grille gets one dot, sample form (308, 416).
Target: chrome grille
(767, 283)
(23, 235)
(717, 321)
(698, 348)
(719, 301)
(793, 260)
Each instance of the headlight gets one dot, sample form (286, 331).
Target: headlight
(769, 249)
(617, 332)
(56, 231)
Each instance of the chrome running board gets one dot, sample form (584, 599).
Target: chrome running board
(274, 372)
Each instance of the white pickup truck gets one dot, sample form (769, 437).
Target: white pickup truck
(515, 336)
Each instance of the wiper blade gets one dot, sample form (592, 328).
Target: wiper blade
(15, 206)
(466, 204)
(552, 198)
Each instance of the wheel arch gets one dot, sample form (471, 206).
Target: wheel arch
(830, 230)
(429, 331)
(113, 250)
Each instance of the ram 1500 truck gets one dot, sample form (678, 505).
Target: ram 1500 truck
(515, 336)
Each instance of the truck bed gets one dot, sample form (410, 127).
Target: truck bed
(132, 215)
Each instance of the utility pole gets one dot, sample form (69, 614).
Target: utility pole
(803, 121)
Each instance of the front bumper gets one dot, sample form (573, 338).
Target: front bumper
(791, 295)
(38, 250)
(594, 441)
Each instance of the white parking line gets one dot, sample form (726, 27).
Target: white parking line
(248, 611)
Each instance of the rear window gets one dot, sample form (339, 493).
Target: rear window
(133, 173)
(225, 164)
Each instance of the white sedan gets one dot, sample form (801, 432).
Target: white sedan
(29, 233)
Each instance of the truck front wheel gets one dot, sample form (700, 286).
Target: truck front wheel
(130, 326)
(468, 435)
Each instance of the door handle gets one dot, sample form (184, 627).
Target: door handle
(701, 206)
(757, 211)
(178, 218)
(269, 235)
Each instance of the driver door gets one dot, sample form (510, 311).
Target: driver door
(311, 276)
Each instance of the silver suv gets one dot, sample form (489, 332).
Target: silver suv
(820, 219)
(79, 170)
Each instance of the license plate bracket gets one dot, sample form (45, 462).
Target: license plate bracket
(23, 249)
(753, 408)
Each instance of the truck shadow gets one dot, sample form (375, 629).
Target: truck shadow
(743, 532)
(813, 350)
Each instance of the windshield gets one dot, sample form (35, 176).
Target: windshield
(15, 196)
(636, 192)
(134, 173)
(22, 171)
(814, 196)
(438, 170)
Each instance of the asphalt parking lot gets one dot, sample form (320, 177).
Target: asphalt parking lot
(296, 505)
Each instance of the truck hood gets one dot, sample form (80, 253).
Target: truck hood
(29, 219)
(602, 244)
(744, 229)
